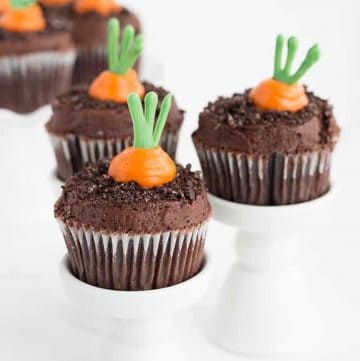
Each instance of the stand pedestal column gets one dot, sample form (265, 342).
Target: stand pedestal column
(265, 306)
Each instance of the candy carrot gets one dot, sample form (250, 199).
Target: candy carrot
(4, 5)
(145, 163)
(282, 92)
(55, 2)
(102, 7)
(23, 16)
(120, 80)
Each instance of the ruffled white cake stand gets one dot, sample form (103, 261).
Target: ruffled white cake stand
(135, 325)
(266, 307)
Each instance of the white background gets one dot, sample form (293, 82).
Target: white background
(199, 50)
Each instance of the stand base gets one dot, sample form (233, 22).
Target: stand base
(263, 314)
(266, 306)
(133, 325)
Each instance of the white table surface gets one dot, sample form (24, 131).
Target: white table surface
(35, 321)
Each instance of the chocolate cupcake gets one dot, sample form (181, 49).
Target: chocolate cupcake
(89, 124)
(271, 145)
(36, 58)
(57, 10)
(138, 222)
(90, 19)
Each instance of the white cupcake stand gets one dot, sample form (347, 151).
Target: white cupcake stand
(265, 306)
(136, 326)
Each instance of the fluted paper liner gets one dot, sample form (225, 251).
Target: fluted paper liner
(72, 152)
(275, 179)
(134, 262)
(32, 80)
(90, 62)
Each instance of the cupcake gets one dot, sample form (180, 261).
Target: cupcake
(272, 144)
(92, 123)
(137, 222)
(90, 18)
(57, 10)
(36, 58)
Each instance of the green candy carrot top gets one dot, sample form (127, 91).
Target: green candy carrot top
(120, 80)
(283, 92)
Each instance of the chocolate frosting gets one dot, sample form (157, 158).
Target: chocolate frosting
(58, 13)
(56, 37)
(77, 113)
(93, 200)
(236, 124)
(90, 29)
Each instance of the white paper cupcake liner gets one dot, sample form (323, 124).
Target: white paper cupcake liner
(33, 80)
(90, 62)
(134, 262)
(73, 152)
(275, 179)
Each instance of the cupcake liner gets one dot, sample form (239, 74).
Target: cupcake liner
(73, 152)
(33, 80)
(90, 62)
(134, 262)
(275, 179)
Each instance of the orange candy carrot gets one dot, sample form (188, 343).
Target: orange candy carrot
(120, 80)
(102, 7)
(145, 163)
(147, 167)
(4, 5)
(111, 86)
(55, 2)
(272, 94)
(282, 92)
(23, 19)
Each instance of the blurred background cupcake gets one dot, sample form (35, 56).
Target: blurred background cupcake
(138, 222)
(271, 145)
(93, 122)
(57, 10)
(90, 18)
(36, 57)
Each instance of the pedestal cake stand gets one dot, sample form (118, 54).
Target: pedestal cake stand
(141, 323)
(266, 307)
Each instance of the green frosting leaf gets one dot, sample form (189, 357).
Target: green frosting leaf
(122, 57)
(284, 74)
(21, 4)
(147, 134)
